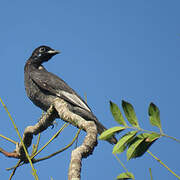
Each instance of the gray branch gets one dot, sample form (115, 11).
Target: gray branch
(59, 109)
(89, 143)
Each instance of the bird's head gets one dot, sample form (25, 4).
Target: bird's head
(43, 54)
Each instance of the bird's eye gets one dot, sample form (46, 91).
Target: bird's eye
(42, 49)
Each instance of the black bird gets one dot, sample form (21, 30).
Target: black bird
(42, 87)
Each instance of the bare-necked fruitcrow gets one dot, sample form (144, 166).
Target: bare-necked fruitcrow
(42, 87)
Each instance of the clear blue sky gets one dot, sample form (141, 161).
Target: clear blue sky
(111, 50)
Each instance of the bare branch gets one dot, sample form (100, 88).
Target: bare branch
(60, 109)
(90, 140)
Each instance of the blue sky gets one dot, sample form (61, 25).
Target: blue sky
(111, 50)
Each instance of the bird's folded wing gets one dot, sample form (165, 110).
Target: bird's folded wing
(52, 84)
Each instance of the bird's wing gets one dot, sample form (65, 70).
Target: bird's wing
(52, 84)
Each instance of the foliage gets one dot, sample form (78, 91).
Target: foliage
(136, 141)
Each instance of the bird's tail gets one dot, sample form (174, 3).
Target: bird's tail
(101, 128)
(89, 116)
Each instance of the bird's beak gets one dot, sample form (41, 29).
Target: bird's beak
(54, 52)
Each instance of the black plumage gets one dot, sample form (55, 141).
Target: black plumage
(42, 87)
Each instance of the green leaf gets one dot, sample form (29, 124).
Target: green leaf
(130, 113)
(123, 142)
(153, 137)
(154, 115)
(110, 132)
(140, 144)
(117, 114)
(133, 150)
(126, 175)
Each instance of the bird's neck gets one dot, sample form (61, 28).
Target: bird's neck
(35, 62)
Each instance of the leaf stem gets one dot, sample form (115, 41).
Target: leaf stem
(61, 129)
(172, 172)
(173, 138)
(161, 134)
(121, 163)
(8, 139)
(17, 165)
(25, 150)
(150, 173)
(61, 150)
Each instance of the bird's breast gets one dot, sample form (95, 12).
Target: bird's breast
(39, 97)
